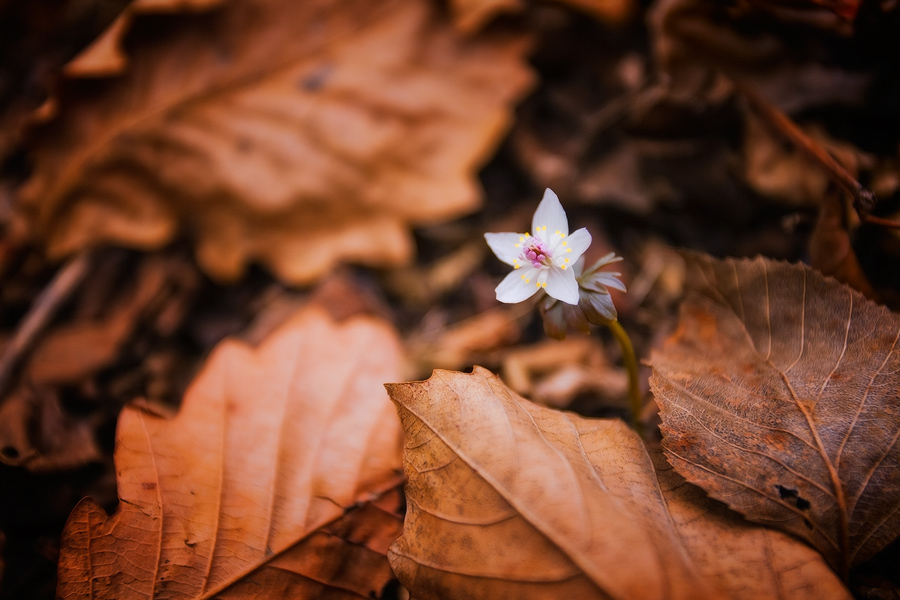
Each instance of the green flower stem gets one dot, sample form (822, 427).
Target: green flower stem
(634, 392)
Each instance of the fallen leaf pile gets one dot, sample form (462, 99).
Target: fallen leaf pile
(778, 397)
(372, 117)
(509, 499)
(243, 277)
(247, 488)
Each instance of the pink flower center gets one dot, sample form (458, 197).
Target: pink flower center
(538, 254)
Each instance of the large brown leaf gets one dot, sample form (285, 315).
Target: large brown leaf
(294, 134)
(270, 445)
(779, 396)
(507, 499)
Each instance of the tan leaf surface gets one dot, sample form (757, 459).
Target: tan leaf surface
(270, 444)
(779, 396)
(506, 499)
(294, 134)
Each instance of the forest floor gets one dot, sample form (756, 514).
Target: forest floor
(678, 124)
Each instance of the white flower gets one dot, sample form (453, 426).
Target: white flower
(543, 259)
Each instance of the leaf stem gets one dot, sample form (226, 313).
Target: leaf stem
(628, 356)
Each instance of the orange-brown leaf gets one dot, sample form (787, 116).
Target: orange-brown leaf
(294, 134)
(507, 499)
(779, 396)
(270, 445)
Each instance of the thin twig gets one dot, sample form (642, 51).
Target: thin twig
(864, 200)
(64, 283)
(873, 220)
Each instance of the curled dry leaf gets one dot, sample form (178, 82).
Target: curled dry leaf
(456, 344)
(37, 434)
(82, 347)
(296, 135)
(270, 445)
(784, 172)
(506, 499)
(612, 11)
(553, 372)
(471, 15)
(788, 9)
(779, 396)
(831, 248)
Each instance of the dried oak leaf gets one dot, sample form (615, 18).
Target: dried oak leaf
(271, 444)
(779, 396)
(296, 135)
(106, 56)
(507, 499)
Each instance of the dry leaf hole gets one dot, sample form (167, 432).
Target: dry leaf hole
(786, 493)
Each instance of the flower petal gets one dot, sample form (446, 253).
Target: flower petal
(579, 267)
(571, 248)
(579, 242)
(611, 280)
(518, 285)
(504, 246)
(549, 214)
(606, 260)
(597, 307)
(562, 285)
